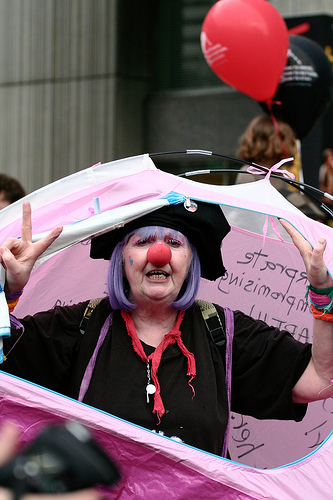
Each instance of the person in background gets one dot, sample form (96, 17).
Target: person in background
(10, 190)
(265, 144)
(261, 143)
(326, 173)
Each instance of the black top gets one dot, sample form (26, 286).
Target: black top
(266, 365)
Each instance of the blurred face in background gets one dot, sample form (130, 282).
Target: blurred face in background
(3, 200)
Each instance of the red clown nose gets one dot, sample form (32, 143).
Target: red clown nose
(159, 254)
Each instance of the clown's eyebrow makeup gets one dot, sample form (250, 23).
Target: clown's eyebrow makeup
(174, 238)
(143, 240)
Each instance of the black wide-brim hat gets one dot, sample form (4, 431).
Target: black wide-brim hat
(204, 224)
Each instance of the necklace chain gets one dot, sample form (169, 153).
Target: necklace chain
(148, 371)
(150, 387)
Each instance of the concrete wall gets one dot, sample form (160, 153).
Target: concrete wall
(57, 87)
(210, 119)
(299, 7)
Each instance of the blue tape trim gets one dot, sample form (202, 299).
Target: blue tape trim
(174, 198)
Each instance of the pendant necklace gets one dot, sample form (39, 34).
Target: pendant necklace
(150, 388)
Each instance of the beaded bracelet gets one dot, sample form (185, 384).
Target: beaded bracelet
(12, 299)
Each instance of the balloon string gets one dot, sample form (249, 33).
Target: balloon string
(269, 104)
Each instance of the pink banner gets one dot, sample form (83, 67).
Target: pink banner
(154, 466)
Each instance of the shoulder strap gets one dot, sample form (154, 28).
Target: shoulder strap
(221, 337)
(213, 322)
(229, 322)
(92, 304)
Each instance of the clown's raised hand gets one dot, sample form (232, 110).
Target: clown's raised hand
(18, 255)
(313, 257)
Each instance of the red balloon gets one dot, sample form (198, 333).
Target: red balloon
(245, 42)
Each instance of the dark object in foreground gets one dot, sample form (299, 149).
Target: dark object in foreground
(61, 459)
